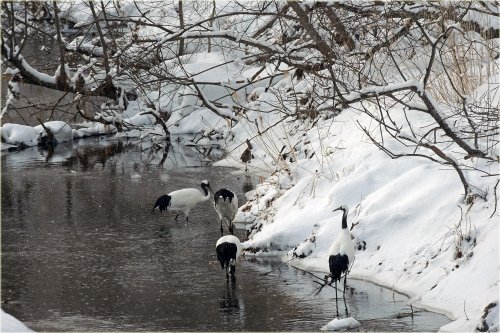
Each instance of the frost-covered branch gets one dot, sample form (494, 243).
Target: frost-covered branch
(449, 160)
(101, 37)
(481, 22)
(12, 94)
(223, 112)
(321, 45)
(61, 75)
(431, 107)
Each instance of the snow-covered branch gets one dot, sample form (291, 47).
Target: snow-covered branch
(223, 112)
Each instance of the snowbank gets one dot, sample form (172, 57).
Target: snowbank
(341, 324)
(201, 120)
(15, 135)
(10, 324)
(413, 231)
(22, 135)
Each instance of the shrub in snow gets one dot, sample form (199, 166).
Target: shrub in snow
(489, 320)
(306, 247)
(218, 80)
(53, 132)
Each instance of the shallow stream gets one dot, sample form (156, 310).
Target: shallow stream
(82, 251)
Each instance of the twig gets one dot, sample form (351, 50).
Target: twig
(466, 317)
(50, 135)
(322, 285)
(325, 279)
(495, 193)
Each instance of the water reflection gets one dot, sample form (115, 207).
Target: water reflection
(247, 184)
(232, 309)
(95, 153)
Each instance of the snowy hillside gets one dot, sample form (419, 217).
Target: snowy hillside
(414, 231)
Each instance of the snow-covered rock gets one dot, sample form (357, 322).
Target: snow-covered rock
(341, 324)
(16, 134)
(9, 323)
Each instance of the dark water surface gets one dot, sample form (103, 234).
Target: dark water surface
(82, 251)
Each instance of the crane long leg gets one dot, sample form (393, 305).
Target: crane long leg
(345, 303)
(176, 216)
(336, 299)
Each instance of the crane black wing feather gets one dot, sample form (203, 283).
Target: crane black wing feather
(163, 202)
(225, 194)
(225, 252)
(339, 264)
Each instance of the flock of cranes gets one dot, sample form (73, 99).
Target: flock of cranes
(228, 248)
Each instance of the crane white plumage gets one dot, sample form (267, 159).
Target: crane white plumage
(341, 253)
(183, 200)
(226, 205)
(228, 249)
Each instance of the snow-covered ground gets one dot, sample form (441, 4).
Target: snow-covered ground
(10, 324)
(413, 230)
(341, 324)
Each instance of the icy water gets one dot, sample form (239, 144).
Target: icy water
(81, 251)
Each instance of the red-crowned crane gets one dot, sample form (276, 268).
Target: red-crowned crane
(228, 249)
(341, 254)
(183, 200)
(226, 205)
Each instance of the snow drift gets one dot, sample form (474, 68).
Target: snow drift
(413, 230)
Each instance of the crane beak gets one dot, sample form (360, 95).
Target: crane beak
(336, 209)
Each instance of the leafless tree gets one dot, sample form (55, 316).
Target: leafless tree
(422, 71)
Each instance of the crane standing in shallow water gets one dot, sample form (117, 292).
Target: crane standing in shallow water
(226, 205)
(228, 249)
(341, 254)
(183, 200)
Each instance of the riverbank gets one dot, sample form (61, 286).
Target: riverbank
(413, 230)
(65, 266)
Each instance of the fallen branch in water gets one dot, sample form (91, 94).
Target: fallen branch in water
(278, 268)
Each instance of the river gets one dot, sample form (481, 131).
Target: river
(82, 251)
